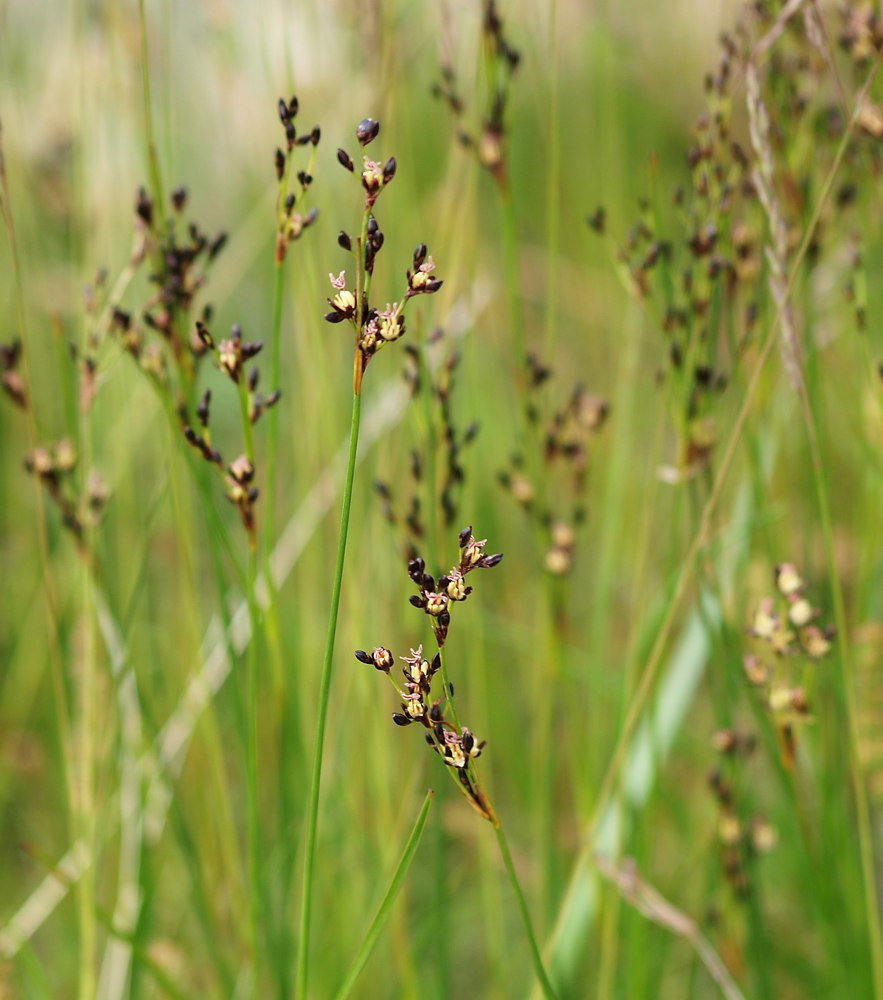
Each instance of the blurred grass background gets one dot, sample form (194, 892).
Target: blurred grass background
(626, 80)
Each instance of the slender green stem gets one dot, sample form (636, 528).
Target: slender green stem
(546, 986)
(156, 188)
(272, 617)
(430, 451)
(255, 867)
(863, 819)
(385, 907)
(553, 191)
(510, 275)
(324, 692)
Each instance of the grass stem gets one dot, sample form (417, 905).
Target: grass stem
(322, 716)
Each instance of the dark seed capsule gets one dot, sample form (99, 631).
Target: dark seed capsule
(400, 720)
(344, 159)
(389, 170)
(344, 241)
(367, 130)
(364, 657)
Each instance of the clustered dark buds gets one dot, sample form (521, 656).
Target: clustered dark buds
(740, 841)
(233, 352)
(178, 278)
(374, 328)
(456, 747)
(373, 243)
(10, 378)
(180, 270)
(435, 598)
(343, 305)
(489, 146)
(54, 466)
(202, 445)
(786, 625)
(375, 177)
(380, 658)
(240, 474)
(291, 222)
(420, 280)
(568, 438)
(231, 355)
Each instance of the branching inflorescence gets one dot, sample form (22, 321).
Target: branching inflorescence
(455, 744)
(374, 328)
(231, 356)
(787, 627)
(566, 439)
(502, 61)
(291, 221)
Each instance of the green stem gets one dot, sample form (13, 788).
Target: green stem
(272, 616)
(863, 819)
(255, 868)
(546, 986)
(510, 274)
(324, 691)
(385, 907)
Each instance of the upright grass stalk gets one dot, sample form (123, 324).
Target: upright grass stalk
(61, 706)
(373, 330)
(322, 715)
(535, 955)
(255, 853)
(383, 911)
(862, 811)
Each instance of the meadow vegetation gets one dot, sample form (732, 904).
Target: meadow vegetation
(580, 294)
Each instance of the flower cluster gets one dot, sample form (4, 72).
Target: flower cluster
(159, 334)
(726, 262)
(436, 597)
(456, 746)
(290, 220)
(374, 328)
(54, 467)
(488, 142)
(231, 355)
(181, 267)
(786, 626)
(741, 840)
(566, 441)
